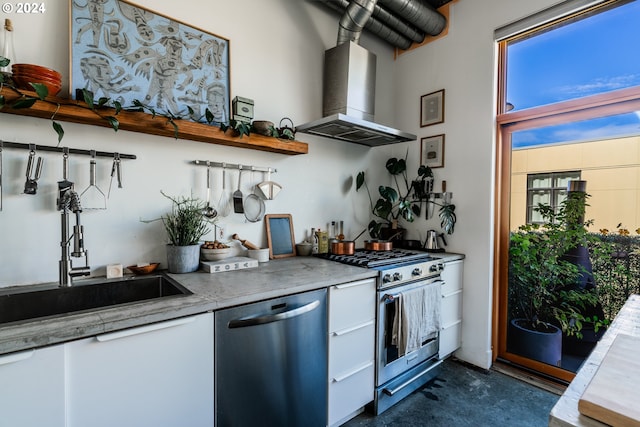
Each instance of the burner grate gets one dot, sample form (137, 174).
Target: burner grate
(368, 258)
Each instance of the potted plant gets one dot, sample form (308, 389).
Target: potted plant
(404, 201)
(545, 296)
(185, 224)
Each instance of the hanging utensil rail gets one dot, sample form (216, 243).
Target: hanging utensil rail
(24, 146)
(234, 166)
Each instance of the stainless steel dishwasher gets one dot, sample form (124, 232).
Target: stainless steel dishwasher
(271, 362)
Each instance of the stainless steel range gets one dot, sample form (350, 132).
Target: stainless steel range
(401, 272)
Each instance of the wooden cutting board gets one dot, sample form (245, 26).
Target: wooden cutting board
(613, 395)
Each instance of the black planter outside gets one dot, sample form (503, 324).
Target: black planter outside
(543, 346)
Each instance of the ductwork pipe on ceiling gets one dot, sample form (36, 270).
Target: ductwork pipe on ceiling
(353, 20)
(418, 13)
(397, 37)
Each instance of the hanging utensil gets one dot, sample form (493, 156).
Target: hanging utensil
(253, 206)
(237, 195)
(209, 211)
(93, 197)
(65, 184)
(269, 188)
(115, 170)
(31, 183)
(224, 207)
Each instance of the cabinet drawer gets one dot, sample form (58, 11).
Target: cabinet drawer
(451, 309)
(351, 304)
(452, 277)
(450, 339)
(348, 394)
(350, 348)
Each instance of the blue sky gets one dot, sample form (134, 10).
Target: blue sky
(594, 55)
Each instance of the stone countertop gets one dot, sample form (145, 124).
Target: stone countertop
(565, 412)
(211, 291)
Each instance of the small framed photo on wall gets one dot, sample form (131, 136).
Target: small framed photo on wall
(432, 108)
(432, 151)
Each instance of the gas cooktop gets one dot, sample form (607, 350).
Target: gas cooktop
(369, 259)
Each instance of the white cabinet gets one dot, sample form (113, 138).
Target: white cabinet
(451, 309)
(155, 375)
(352, 311)
(32, 388)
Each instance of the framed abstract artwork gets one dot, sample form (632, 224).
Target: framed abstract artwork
(432, 108)
(127, 53)
(432, 151)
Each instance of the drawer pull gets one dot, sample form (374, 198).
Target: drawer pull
(352, 284)
(144, 329)
(16, 357)
(459, 291)
(353, 372)
(354, 328)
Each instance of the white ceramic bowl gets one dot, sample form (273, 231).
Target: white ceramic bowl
(216, 254)
(262, 255)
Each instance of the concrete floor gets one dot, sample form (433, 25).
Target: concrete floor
(462, 396)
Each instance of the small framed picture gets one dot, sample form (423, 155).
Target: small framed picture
(280, 235)
(432, 151)
(432, 108)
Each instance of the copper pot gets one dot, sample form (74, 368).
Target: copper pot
(343, 247)
(378, 245)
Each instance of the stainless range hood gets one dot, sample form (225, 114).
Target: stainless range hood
(348, 100)
(351, 129)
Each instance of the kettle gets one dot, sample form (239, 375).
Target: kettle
(432, 242)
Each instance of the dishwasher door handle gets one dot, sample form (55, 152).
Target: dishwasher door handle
(270, 318)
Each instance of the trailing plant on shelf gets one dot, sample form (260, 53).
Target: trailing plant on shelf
(238, 127)
(105, 108)
(404, 201)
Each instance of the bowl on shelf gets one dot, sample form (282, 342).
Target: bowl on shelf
(36, 69)
(143, 269)
(23, 74)
(216, 254)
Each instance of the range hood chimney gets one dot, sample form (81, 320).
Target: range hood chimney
(349, 87)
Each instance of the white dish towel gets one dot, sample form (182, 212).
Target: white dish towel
(417, 317)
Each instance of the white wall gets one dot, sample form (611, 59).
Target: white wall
(276, 59)
(464, 64)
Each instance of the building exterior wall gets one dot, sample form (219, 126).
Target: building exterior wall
(610, 167)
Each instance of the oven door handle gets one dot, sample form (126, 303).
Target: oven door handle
(392, 391)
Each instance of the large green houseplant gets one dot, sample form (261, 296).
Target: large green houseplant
(403, 201)
(545, 296)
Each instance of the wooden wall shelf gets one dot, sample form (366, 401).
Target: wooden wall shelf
(73, 111)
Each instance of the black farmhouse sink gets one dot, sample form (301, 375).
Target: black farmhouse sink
(80, 297)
